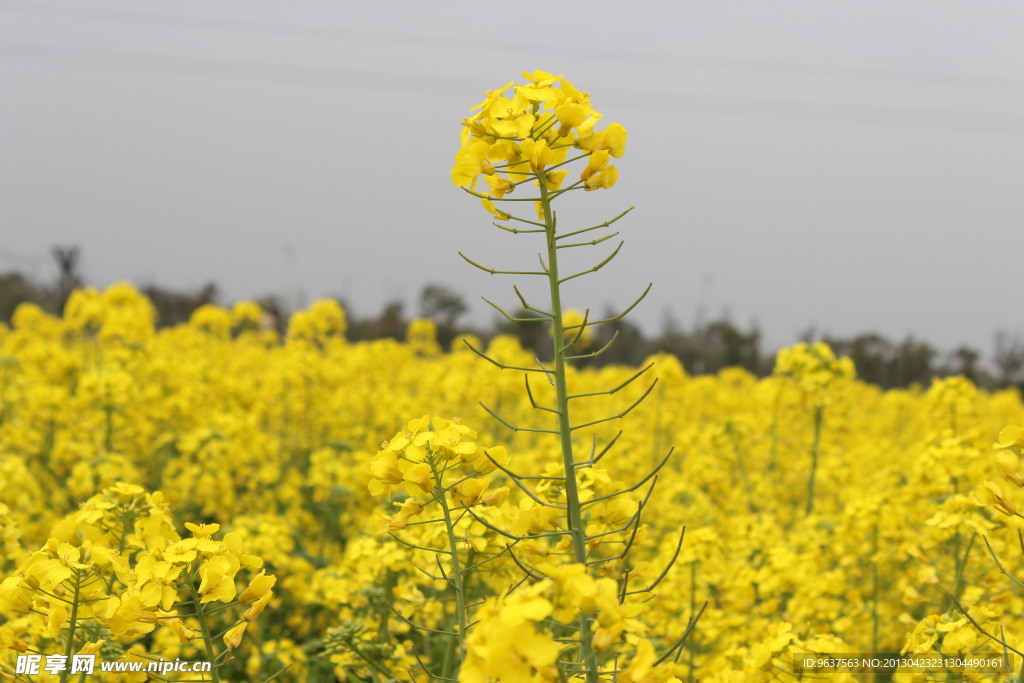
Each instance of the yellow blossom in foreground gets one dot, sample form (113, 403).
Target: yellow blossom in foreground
(507, 644)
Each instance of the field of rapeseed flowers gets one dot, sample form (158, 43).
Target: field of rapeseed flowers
(302, 508)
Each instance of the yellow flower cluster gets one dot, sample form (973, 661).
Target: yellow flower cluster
(123, 447)
(521, 132)
(433, 453)
(813, 366)
(116, 578)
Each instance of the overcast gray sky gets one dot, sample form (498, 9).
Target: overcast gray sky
(852, 165)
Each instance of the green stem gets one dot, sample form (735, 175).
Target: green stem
(691, 645)
(3, 394)
(456, 578)
(69, 648)
(748, 486)
(773, 456)
(819, 413)
(574, 512)
(874, 588)
(108, 439)
(961, 566)
(354, 649)
(211, 656)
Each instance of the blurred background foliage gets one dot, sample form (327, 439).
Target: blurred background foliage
(704, 347)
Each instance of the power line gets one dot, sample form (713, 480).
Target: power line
(464, 43)
(232, 69)
(340, 77)
(819, 112)
(15, 257)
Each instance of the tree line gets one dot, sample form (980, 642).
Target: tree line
(703, 348)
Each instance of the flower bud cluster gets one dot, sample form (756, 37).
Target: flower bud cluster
(434, 457)
(814, 367)
(522, 131)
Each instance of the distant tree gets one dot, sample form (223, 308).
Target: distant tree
(809, 335)
(913, 363)
(16, 289)
(533, 336)
(67, 267)
(389, 324)
(673, 340)
(275, 313)
(441, 305)
(727, 346)
(444, 307)
(174, 307)
(1009, 358)
(629, 348)
(872, 354)
(712, 346)
(965, 361)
